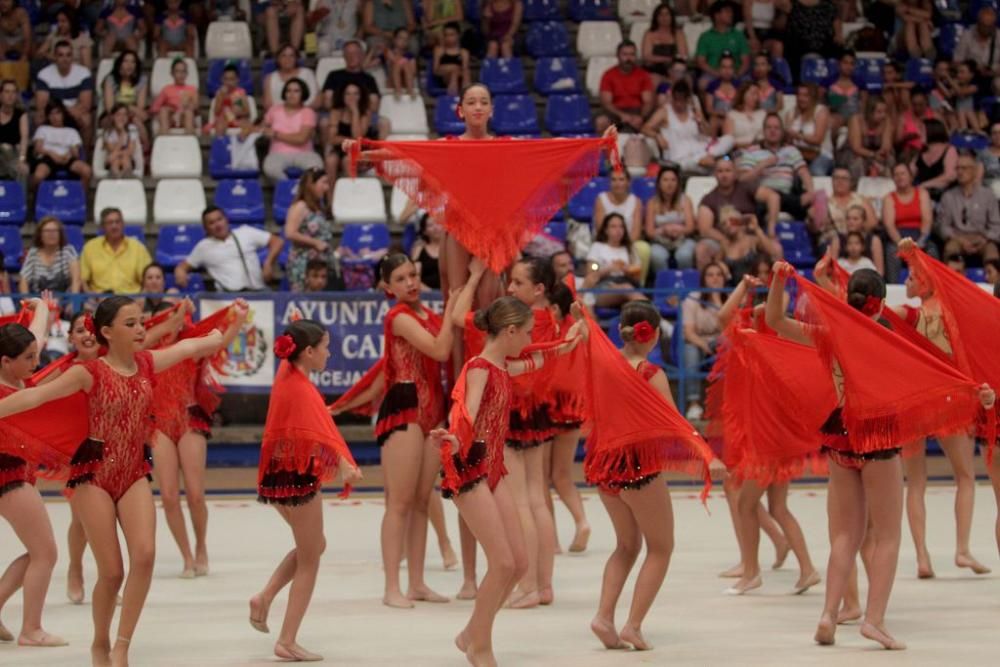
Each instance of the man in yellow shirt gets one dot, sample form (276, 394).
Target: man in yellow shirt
(113, 262)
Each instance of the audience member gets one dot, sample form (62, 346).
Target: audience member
(113, 262)
(287, 61)
(670, 225)
(991, 267)
(811, 26)
(67, 28)
(613, 263)
(869, 150)
(829, 224)
(871, 243)
(620, 199)
(728, 208)
(177, 103)
(51, 262)
(719, 95)
(451, 61)
(721, 39)
(231, 105)
(401, 64)
(122, 145)
(663, 43)
(229, 256)
(426, 252)
(679, 130)
(979, 46)
(843, 97)
(437, 15)
(353, 72)
(501, 21)
(911, 129)
(290, 127)
(809, 129)
(317, 276)
(763, 31)
(917, 26)
(626, 92)
(768, 85)
(14, 134)
(381, 18)
(895, 89)
(126, 84)
(906, 213)
(968, 217)
(745, 121)
(16, 39)
(935, 168)
(272, 12)
(174, 31)
(308, 228)
(988, 158)
(779, 175)
(336, 22)
(69, 83)
(853, 255)
(154, 282)
(120, 26)
(701, 331)
(58, 147)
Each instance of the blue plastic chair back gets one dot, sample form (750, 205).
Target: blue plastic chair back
(373, 237)
(446, 120)
(555, 74)
(547, 38)
(568, 114)
(284, 195)
(503, 75)
(65, 200)
(242, 200)
(213, 80)
(13, 203)
(12, 247)
(176, 242)
(220, 159)
(581, 205)
(515, 115)
(542, 10)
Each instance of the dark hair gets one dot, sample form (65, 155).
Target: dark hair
(231, 67)
(540, 272)
(894, 66)
(395, 33)
(741, 94)
(62, 43)
(305, 193)
(159, 307)
(662, 7)
(338, 98)
(936, 132)
(37, 240)
(504, 312)
(864, 283)
(110, 210)
(859, 236)
(210, 209)
(995, 263)
(635, 312)
(153, 265)
(727, 55)
(774, 114)
(76, 316)
(390, 263)
(14, 340)
(466, 89)
(996, 290)
(73, 18)
(317, 265)
(286, 47)
(704, 297)
(681, 88)
(106, 313)
(624, 44)
(602, 233)
(971, 64)
(561, 297)
(552, 259)
(116, 69)
(115, 108)
(302, 86)
(305, 333)
(848, 52)
(453, 25)
(55, 104)
(718, 6)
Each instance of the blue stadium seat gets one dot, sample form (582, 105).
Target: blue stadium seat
(196, 282)
(175, 243)
(503, 75)
(581, 205)
(868, 74)
(592, 10)
(219, 161)
(11, 246)
(242, 200)
(13, 204)
(780, 69)
(552, 76)
(372, 237)
(818, 70)
(976, 5)
(74, 236)
(214, 80)
(515, 115)
(568, 114)
(282, 256)
(947, 39)
(65, 200)
(969, 140)
(644, 188)
(547, 38)
(921, 72)
(432, 85)
(284, 195)
(409, 237)
(542, 10)
(976, 275)
(669, 304)
(556, 230)
(796, 244)
(446, 120)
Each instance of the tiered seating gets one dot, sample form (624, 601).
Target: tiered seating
(568, 114)
(591, 10)
(697, 187)
(515, 115)
(358, 200)
(405, 114)
(557, 75)
(220, 161)
(446, 120)
(178, 201)
(228, 39)
(65, 200)
(821, 71)
(175, 243)
(636, 12)
(242, 200)
(796, 244)
(13, 204)
(100, 162)
(674, 279)
(74, 236)
(176, 156)
(596, 68)
(160, 76)
(284, 195)
(581, 206)
(541, 10)
(503, 75)
(213, 81)
(547, 38)
(11, 246)
(598, 38)
(128, 195)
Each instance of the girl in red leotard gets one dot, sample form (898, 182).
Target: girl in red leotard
(109, 472)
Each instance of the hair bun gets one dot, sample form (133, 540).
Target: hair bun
(481, 319)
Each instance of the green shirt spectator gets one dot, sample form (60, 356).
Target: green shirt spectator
(719, 39)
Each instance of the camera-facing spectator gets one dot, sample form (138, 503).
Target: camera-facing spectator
(231, 105)
(906, 213)
(501, 21)
(58, 147)
(16, 39)
(308, 228)
(968, 217)
(51, 262)
(273, 11)
(437, 15)
(663, 43)
(126, 84)
(67, 27)
(113, 262)
(287, 68)
(71, 84)
(451, 61)
(177, 102)
(670, 225)
(336, 22)
(613, 263)
(14, 134)
(720, 39)
(426, 252)
(381, 18)
(626, 92)
(174, 31)
(290, 126)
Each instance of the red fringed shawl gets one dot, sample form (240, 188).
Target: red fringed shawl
(633, 429)
(299, 432)
(461, 425)
(362, 385)
(43, 441)
(894, 392)
(492, 196)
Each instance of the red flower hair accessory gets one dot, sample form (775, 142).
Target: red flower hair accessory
(88, 324)
(643, 332)
(284, 346)
(873, 305)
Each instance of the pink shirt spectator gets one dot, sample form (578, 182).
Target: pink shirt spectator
(280, 120)
(172, 96)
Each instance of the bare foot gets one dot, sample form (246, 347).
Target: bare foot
(74, 586)
(100, 656)
(258, 613)
(781, 552)
(480, 657)
(825, 631)
(201, 562)
(397, 600)
(581, 538)
(735, 572)
(967, 560)
(448, 557)
(119, 654)
(605, 631)
(745, 585)
(425, 594)
(880, 635)
(524, 600)
(924, 568)
(633, 636)
(558, 550)
(462, 641)
(467, 591)
(296, 653)
(5, 635)
(187, 572)
(546, 596)
(806, 582)
(848, 615)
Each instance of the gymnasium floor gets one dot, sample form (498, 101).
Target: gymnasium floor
(952, 620)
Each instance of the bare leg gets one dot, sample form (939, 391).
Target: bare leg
(517, 483)
(137, 516)
(306, 522)
(435, 514)
(468, 542)
(994, 472)
(563, 454)
(616, 570)
(166, 467)
(732, 492)
(777, 505)
(402, 456)
(416, 534)
(747, 505)
(915, 466)
(192, 450)
(961, 451)
(10, 583)
(773, 531)
(537, 490)
(77, 544)
(261, 602)
(547, 471)
(851, 610)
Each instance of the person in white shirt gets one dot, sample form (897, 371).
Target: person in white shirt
(229, 256)
(854, 254)
(613, 263)
(70, 83)
(57, 147)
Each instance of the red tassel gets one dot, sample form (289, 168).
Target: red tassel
(345, 493)
(614, 155)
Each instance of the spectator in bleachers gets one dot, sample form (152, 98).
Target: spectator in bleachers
(287, 68)
(968, 217)
(911, 128)
(381, 18)
(853, 256)
(724, 212)
(775, 167)
(317, 276)
(613, 263)
(809, 129)
(67, 27)
(906, 213)
(935, 168)
(967, 116)
(336, 22)
(229, 256)
(895, 90)
(626, 93)
(832, 223)
(811, 26)
(988, 158)
(120, 26)
(72, 85)
(991, 268)
(670, 225)
(720, 94)
(14, 134)
(762, 77)
(5, 283)
(979, 45)
(679, 130)
(353, 72)
(177, 103)
(308, 228)
(174, 31)
(15, 41)
(762, 21)
(217, 10)
(869, 150)
(451, 61)
(717, 41)
(871, 243)
(51, 262)
(272, 12)
(122, 145)
(290, 127)
(154, 281)
(620, 199)
(437, 15)
(127, 85)
(426, 252)
(58, 147)
(501, 21)
(401, 64)
(231, 105)
(702, 328)
(915, 32)
(113, 262)
(745, 121)
(662, 43)
(843, 97)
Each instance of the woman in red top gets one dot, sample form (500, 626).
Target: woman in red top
(109, 484)
(906, 213)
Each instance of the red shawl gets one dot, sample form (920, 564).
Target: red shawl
(299, 431)
(492, 196)
(47, 442)
(60, 365)
(631, 424)
(362, 385)
(461, 425)
(894, 392)
(23, 317)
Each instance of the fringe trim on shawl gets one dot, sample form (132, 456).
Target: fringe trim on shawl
(48, 461)
(646, 455)
(302, 452)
